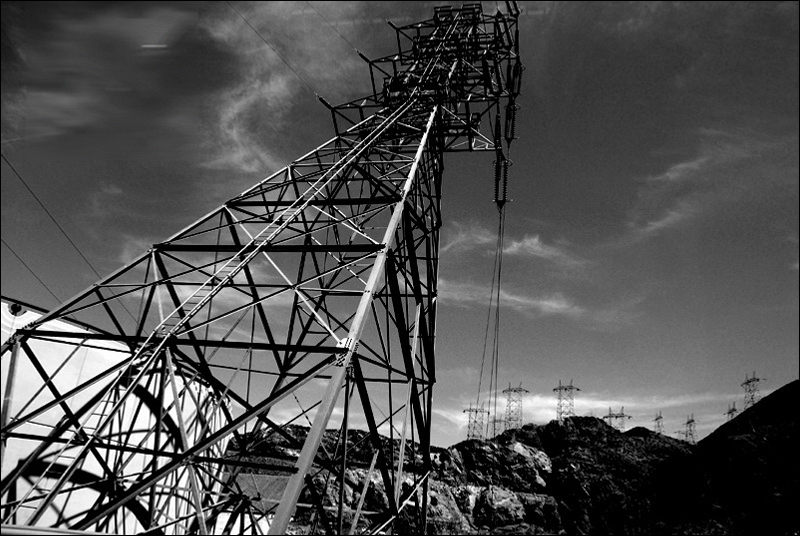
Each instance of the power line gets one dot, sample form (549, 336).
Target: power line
(41, 204)
(332, 26)
(496, 346)
(272, 48)
(58, 300)
(60, 228)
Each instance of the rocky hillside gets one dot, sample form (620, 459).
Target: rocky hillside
(584, 477)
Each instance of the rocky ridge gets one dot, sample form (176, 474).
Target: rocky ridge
(582, 476)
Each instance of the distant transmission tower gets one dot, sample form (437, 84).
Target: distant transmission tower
(566, 400)
(497, 426)
(750, 386)
(514, 406)
(658, 427)
(689, 434)
(617, 420)
(732, 411)
(475, 423)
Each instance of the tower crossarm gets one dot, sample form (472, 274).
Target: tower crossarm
(462, 59)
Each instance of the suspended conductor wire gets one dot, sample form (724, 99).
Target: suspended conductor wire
(332, 26)
(491, 424)
(60, 228)
(36, 197)
(496, 345)
(58, 300)
(272, 48)
(488, 326)
(493, 326)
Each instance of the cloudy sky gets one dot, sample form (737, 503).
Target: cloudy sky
(651, 249)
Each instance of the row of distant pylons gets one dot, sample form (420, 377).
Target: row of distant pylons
(478, 428)
(689, 434)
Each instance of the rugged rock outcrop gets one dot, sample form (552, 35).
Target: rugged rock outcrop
(584, 477)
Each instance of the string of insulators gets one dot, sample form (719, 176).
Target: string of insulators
(511, 121)
(500, 166)
(516, 77)
(500, 179)
(506, 164)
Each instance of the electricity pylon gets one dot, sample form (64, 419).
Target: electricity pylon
(617, 420)
(732, 411)
(513, 418)
(320, 279)
(565, 406)
(658, 426)
(475, 423)
(750, 386)
(689, 432)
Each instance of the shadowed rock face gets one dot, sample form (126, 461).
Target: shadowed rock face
(584, 477)
(744, 476)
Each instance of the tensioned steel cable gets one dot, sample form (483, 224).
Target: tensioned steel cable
(332, 26)
(272, 48)
(39, 279)
(60, 228)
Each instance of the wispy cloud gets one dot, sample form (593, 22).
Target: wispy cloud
(467, 293)
(684, 210)
(534, 246)
(461, 237)
(238, 143)
(258, 99)
(605, 317)
(682, 170)
(688, 189)
(274, 66)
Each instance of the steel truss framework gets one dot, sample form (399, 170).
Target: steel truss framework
(617, 420)
(750, 386)
(475, 421)
(513, 418)
(690, 430)
(658, 423)
(319, 280)
(565, 407)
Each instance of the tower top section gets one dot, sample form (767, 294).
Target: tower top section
(463, 60)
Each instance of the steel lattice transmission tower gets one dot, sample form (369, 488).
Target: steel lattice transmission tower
(689, 432)
(732, 411)
(617, 420)
(475, 423)
(497, 426)
(750, 386)
(249, 319)
(658, 424)
(565, 407)
(513, 418)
